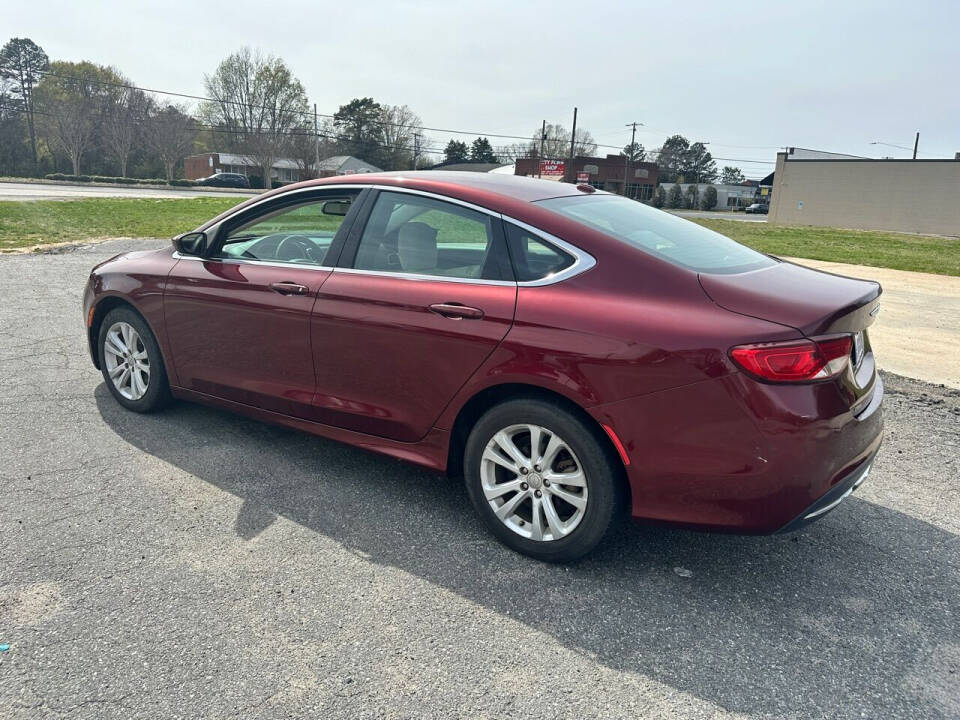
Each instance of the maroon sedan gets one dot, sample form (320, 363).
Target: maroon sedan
(571, 353)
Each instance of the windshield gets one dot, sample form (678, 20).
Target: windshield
(659, 233)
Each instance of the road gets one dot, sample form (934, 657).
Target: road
(718, 215)
(196, 564)
(50, 191)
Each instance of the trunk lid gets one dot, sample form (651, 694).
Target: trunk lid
(815, 303)
(812, 301)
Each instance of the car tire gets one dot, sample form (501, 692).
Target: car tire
(136, 378)
(568, 532)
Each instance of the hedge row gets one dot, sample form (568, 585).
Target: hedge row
(119, 180)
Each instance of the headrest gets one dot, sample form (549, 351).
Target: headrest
(417, 247)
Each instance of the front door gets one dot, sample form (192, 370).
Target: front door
(426, 297)
(239, 322)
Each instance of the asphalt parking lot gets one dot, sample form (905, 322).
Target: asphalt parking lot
(197, 564)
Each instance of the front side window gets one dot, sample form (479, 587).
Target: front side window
(298, 234)
(418, 235)
(659, 233)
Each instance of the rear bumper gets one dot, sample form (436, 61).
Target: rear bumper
(832, 498)
(733, 454)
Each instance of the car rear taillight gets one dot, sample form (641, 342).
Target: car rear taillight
(795, 360)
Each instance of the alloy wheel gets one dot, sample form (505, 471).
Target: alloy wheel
(128, 364)
(534, 482)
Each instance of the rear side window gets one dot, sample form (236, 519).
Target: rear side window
(659, 233)
(417, 235)
(533, 257)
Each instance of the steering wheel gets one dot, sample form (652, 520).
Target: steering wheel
(296, 247)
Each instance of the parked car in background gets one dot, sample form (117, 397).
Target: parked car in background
(757, 209)
(569, 352)
(224, 179)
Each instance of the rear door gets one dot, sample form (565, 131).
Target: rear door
(423, 294)
(238, 322)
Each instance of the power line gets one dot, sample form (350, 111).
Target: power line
(239, 103)
(310, 114)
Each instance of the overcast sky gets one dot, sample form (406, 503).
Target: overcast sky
(826, 75)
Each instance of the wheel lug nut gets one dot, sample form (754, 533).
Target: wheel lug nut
(538, 493)
(523, 486)
(524, 471)
(546, 483)
(536, 468)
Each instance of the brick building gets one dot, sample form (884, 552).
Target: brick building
(604, 173)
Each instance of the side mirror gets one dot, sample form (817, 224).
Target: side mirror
(194, 243)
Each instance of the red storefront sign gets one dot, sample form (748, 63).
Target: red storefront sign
(552, 167)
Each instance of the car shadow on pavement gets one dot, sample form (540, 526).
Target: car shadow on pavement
(830, 621)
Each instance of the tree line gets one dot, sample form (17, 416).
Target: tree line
(89, 119)
(86, 118)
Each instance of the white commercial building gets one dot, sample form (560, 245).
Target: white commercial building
(728, 196)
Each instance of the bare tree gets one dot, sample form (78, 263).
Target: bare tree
(303, 148)
(257, 98)
(512, 153)
(72, 100)
(557, 142)
(398, 128)
(169, 132)
(124, 112)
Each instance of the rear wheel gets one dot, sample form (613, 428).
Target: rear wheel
(131, 363)
(540, 479)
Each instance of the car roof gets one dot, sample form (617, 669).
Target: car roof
(516, 187)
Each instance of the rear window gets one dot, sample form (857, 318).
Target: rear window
(659, 233)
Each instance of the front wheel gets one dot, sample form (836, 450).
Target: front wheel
(541, 480)
(131, 363)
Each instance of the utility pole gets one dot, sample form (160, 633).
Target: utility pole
(416, 149)
(573, 140)
(543, 139)
(626, 162)
(916, 141)
(316, 142)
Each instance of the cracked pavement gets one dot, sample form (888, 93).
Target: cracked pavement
(194, 563)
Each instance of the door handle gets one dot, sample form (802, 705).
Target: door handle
(456, 311)
(289, 288)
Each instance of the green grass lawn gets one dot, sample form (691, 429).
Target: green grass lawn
(899, 251)
(24, 224)
(40, 222)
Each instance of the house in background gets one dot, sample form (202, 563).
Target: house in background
(344, 165)
(285, 170)
(474, 167)
(200, 166)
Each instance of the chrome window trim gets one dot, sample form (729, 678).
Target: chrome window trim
(421, 277)
(247, 261)
(583, 260)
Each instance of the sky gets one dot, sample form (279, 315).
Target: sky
(825, 75)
